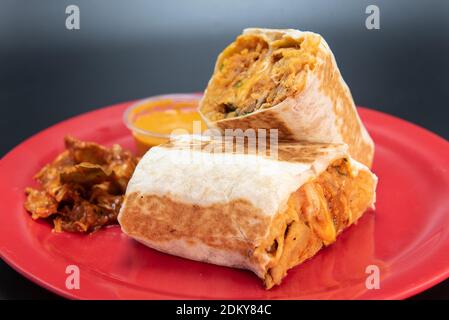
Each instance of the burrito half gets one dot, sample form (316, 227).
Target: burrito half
(242, 209)
(286, 80)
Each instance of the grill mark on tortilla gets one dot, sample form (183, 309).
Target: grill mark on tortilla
(194, 222)
(334, 87)
(287, 151)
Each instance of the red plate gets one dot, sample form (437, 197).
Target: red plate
(407, 237)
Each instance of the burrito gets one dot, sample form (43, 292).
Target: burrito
(262, 211)
(286, 80)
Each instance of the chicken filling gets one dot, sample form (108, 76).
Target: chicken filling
(252, 74)
(316, 214)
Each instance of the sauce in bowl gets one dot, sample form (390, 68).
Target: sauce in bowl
(153, 120)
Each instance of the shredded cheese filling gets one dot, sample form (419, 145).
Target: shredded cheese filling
(253, 74)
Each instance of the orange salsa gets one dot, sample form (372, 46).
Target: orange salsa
(153, 121)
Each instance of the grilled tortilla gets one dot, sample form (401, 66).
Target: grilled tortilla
(286, 80)
(233, 207)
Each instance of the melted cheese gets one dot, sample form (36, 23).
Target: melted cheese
(253, 74)
(316, 213)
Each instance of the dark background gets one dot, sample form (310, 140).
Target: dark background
(127, 50)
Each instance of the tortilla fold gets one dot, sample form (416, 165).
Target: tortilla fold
(286, 80)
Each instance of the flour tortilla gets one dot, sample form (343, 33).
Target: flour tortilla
(323, 112)
(225, 207)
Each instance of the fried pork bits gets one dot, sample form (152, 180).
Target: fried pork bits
(82, 189)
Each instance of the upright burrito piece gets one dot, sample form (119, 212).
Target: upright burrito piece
(266, 213)
(286, 80)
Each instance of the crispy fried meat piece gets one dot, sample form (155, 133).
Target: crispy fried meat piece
(40, 204)
(83, 188)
